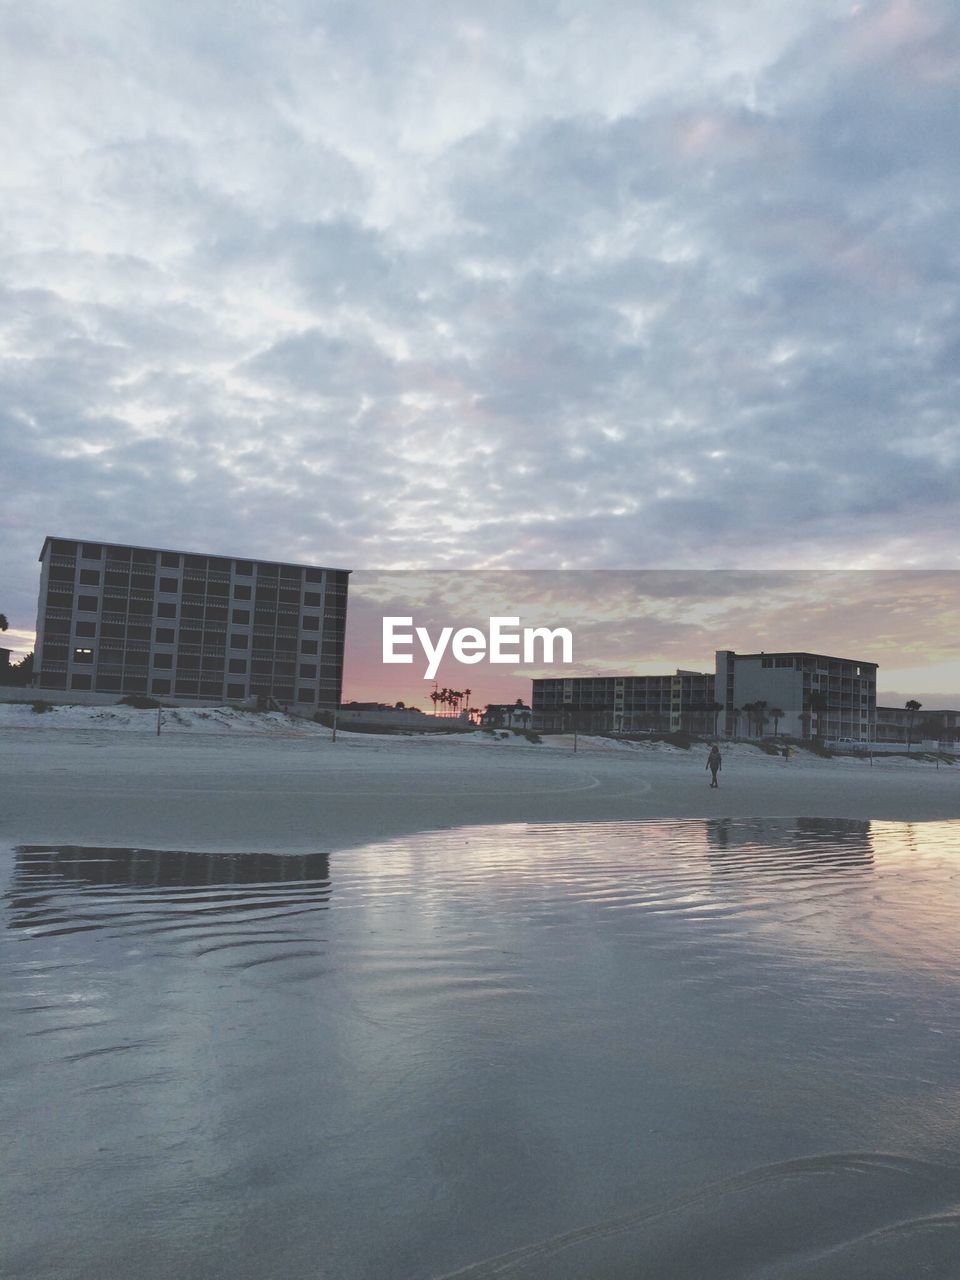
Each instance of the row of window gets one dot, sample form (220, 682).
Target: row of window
(161, 685)
(61, 580)
(194, 563)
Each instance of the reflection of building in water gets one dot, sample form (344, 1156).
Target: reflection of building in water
(52, 883)
(805, 842)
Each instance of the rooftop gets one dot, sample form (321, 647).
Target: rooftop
(180, 551)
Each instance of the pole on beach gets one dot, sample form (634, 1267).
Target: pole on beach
(159, 714)
(334, 738)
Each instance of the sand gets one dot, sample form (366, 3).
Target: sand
(233, 781)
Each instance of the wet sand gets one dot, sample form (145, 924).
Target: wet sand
(300, 791)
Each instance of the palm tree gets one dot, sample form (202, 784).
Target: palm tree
(776, 715)
(805, 722)
(913, 706)
(749, 709)
(760, 711)
(3, 622)
(715, 708)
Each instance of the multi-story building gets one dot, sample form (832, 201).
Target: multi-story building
(900, 725)
(188, 627)
(626, 704)
(817, 695)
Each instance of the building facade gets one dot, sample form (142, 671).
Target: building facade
(819, 695)
(185, 627)
(897, 725)
(626, 704)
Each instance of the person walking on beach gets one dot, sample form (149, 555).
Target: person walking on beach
(714, 764)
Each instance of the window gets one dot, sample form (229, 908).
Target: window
(308, 671)
(168, 584)
(235, 691)
(310, 624)
(308, 646)
(241, 593)
(81, 682)
(240, 615)
(187, 662)
(238, 641)
(238, 666)
(165, 635)
(169, 560)
(160, 686)
(165, 610)
(83, 655)
(305, 695)
(163, 661)
(313, 575)
(197, 563)
(64, 548)
(245, 568)
(86, 628)
(90, 577)
(91, 551)
(87, 604)
(313, 598)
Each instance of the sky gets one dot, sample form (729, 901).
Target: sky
(551, 285)
(654, 622)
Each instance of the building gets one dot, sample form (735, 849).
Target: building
(818, 695)
(897, 725)
(626, 704)
(187, 627)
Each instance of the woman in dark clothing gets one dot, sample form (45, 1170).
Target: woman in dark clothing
(714, 764)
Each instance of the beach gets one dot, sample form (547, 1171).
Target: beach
(417, 1008)
(227, 780)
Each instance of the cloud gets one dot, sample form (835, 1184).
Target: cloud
(523, 286)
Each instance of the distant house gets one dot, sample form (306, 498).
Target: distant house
(506, 715)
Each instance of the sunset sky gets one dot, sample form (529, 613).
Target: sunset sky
(475, 287)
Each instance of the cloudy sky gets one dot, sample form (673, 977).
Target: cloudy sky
(650, 622)
(493, 285)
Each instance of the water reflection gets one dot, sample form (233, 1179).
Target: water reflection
(800, 846)
(71, 887)
(529, 1050)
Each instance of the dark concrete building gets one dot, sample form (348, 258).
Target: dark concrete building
(188, 627)
(626, 704)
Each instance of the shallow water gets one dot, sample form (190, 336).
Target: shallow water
(724, 1048)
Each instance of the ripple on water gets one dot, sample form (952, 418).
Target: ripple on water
(723, 1048)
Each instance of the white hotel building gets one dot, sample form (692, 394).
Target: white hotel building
(795, 682)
